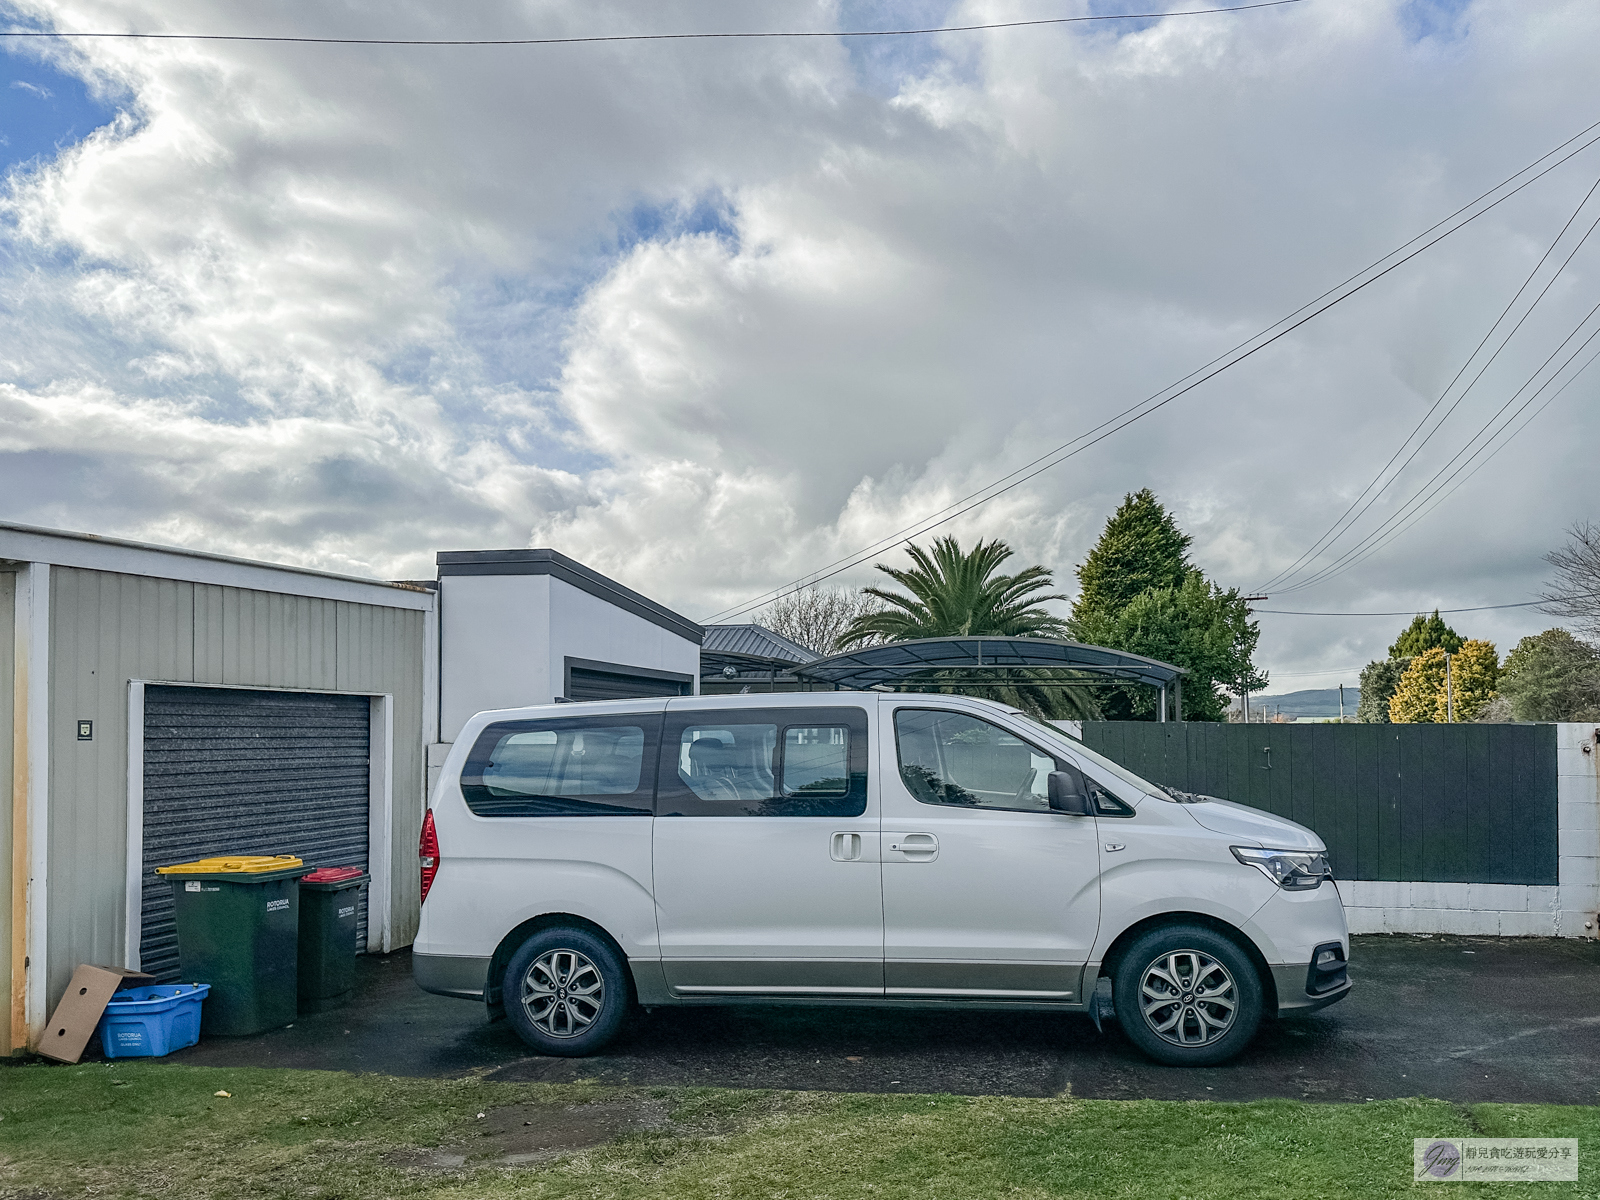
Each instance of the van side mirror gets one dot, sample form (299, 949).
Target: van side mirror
(1069, 792)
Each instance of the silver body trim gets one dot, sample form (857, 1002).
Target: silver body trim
(1293, 999)
(450, 975)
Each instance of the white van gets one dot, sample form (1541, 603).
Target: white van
(856, 848)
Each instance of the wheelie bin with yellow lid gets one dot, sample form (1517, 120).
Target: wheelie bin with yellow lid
(238, 926)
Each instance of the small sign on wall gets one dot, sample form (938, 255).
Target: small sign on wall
(86, 731)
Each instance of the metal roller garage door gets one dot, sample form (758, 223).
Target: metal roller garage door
(248, 772)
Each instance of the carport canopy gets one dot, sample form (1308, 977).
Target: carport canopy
(945, 660)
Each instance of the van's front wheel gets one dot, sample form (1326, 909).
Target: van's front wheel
(1187, 996)
(566, 992)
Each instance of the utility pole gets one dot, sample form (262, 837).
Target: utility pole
(1244, 681)
(1341, 704)
(1449, 692)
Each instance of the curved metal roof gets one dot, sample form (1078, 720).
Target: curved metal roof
(895, 664)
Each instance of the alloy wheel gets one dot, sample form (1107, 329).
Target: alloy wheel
(562, 993)
(1188, 998)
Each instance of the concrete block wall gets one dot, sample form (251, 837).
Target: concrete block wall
(1578, 829)
(1565, 909)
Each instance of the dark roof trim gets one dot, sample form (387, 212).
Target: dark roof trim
(559, 566)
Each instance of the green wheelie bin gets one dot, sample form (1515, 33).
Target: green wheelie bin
(238, 929)
(328, 898)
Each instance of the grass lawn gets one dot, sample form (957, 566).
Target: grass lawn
(149, 1129)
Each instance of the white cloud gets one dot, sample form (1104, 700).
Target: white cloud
(711, 315)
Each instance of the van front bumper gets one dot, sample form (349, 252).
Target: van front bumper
(450, 975)
(1293, 983)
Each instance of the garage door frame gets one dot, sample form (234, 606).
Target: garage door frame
(380, 807)
(684, 683)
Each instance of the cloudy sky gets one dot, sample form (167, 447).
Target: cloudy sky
(709, 315)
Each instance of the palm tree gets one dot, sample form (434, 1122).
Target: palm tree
(956, 593)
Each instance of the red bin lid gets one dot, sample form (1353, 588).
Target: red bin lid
(331, 875)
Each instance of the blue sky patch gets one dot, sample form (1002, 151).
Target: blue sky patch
(1438, 20)
(43, 110)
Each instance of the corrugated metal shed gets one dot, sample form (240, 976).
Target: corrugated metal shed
(8, 589)
(107, 629)
(757, 640)
(105, 619)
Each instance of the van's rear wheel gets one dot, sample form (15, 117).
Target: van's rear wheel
(566, 992)
(1187, 996)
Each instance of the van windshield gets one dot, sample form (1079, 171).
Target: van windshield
(1099, 760)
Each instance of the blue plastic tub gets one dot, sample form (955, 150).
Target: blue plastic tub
(148, 1022)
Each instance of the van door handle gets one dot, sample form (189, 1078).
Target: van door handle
(917, 847)
(845, 847)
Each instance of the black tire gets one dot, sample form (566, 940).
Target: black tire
(567, 992)
(1202, 1025)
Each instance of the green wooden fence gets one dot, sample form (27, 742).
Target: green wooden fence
(1429, 803)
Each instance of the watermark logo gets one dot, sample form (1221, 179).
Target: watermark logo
(1441, 1159)
(1529, 1160)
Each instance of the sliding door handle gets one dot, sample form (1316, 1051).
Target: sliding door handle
(914, 847)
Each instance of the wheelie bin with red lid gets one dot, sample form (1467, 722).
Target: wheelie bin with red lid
(328, 901)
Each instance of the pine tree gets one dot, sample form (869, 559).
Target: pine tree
(1474, 674)
(1422, 695)
(1379, 679)
(1425, 633)
(1416, 698)
(1141, 548)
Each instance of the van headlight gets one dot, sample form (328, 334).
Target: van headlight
(1297, 870)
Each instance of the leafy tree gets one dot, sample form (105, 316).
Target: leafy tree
(1421, 694)
(816, 617)
(1416, 696)
(1196, 625)
(1575, 591)
(1552, 676)
(1141, 548)
(956, 593)
(1378, 681)
(1424, 633)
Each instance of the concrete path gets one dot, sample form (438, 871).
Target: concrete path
(1463, 1019)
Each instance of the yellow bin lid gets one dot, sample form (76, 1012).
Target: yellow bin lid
(238, 864)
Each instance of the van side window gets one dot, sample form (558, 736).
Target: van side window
(809, 762)
(1106, 802)
(562, 768)
(952, 758)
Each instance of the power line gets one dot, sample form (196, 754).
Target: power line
(1285, 612)
(1411, 511)
(645, 37)
(1152, 403)
(1346, 520)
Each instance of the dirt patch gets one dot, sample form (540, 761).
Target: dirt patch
(529, 1134)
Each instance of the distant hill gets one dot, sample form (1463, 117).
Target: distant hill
(1315, 702)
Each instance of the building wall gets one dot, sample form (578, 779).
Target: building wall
(8, 586)
(493, 653)
(107, 629)
(584, 626)
(505, 640)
